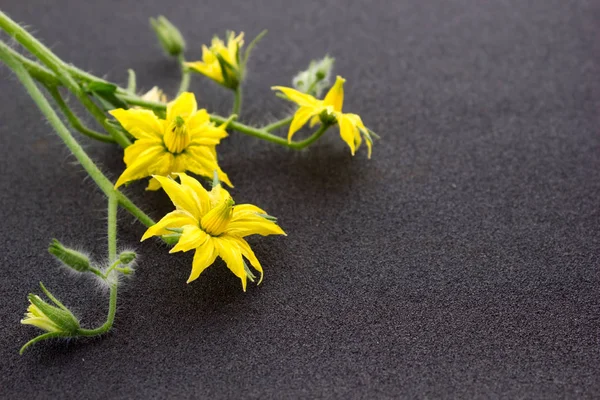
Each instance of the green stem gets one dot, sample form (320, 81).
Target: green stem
(57, 66)
(112, 226)
(45, 336)
(264, 135)
(74, 121)
(237, 100)
(278, 124)
(110, 319)
(86, 162)
(185, 75)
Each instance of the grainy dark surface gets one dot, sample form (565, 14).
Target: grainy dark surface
(460, 262)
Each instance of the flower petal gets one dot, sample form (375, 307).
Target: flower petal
(298, 97)
(244, 223)
(300, 118)
(335, 95)
(230, 252)
(203, 258)
(180, 197)
(199, 191)
(201, 160)
(132, 152)
(191, 238)
(347, 131)
(183, 106)
(174, 219)
(249, 254)
(140, 167)
(142, 124)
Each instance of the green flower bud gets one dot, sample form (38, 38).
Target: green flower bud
(48, 317)
(127, 256)
(71, 258)
(316, 78)
(168, 35)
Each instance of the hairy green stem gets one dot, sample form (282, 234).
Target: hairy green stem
(185, 75)
(112, 226)
(57, 66)
(112, 309)
(86, 162)
(278, 124)
(74, 120)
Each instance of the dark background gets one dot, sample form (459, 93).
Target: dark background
(461, 261)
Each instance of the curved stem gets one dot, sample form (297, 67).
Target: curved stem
(185, 75)
(74, 121)
(86, 162)
(278, 124)
(112, 309)
(237, 101)
(112, 254)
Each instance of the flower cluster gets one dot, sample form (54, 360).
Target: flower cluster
(171, 144)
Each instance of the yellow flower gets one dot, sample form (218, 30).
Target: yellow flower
(221, 62)
(48, 317)
(352, 129)
(185, 141)
(210, 223)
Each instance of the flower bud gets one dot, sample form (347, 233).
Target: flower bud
(127, 257)
(168, 35)
(48, 317)
(316, 78)
(71, 258)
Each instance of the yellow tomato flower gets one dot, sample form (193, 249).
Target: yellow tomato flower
(352, 129)
(221, 62)
(48, 317)
(185, 141)
(210, 223)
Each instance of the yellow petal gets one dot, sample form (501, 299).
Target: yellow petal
(174, 219)
(315, 120)
(199, 191)
(335, 95)
(230, 253)
(191, 238)
(297, 97)
(245, 221)
(347, 130)
(180, 197)
(140, 167)
(198, 119)
(183, 106)
(203, 258)
(201, 160)
(132, 152)
(153, 184)
(300, 118)
(142, 124)
(250, 256)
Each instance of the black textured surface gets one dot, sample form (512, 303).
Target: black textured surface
(461, 261)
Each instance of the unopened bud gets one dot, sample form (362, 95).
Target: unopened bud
(168, 35)
(316, 78)
(71, 258)
(127, 257)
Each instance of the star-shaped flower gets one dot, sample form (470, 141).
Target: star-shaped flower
(328, 110)
(212, 225)
(184, 141)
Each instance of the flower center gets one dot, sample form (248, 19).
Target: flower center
(216, 220)
(176, 137)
